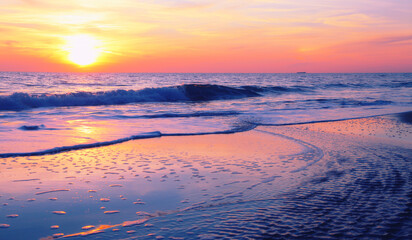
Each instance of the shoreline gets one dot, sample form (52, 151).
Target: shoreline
(405, 117)
(247, 185)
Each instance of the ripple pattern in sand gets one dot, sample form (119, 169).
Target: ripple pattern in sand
(357, 191)
(321, 187)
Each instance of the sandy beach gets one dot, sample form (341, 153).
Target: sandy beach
(346, 179)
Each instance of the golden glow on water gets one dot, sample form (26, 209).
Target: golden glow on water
(86, 130)
(83, 49)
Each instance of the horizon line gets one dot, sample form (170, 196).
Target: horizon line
(300, 72)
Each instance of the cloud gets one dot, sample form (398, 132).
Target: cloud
(354, 20)
(404, 39)
(249, 29)
(9, 43)
(185, 5)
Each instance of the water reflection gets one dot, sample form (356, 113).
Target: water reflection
(109, 185)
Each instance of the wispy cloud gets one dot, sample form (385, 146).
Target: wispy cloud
(404, 39)
(254, 30)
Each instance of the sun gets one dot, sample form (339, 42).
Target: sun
(82, 49)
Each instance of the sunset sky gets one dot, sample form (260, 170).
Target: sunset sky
(206, 35)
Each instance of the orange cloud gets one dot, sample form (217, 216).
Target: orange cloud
(208, 35)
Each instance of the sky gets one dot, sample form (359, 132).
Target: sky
(206, 35)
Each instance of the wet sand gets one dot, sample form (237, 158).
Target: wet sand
(348, 179)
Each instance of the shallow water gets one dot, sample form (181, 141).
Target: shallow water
(324, 180)
(137, 177)
(42, 111)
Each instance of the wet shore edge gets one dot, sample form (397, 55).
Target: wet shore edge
(404, 117)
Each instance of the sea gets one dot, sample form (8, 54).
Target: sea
(205, 156)
(80, 110)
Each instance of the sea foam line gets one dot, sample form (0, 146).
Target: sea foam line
(318, 152)
(81, 146)
(181, 115)
(243, 128)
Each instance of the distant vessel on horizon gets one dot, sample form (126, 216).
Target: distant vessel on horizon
(300, 72)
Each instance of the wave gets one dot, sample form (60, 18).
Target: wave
(81, 146)
(181, 115)
(277, 89)
(346, 85)
(31, 127)
(240, 127)
(348, 102)
(181, 93)
(399, 85)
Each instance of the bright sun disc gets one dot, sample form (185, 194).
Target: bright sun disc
(82, 49)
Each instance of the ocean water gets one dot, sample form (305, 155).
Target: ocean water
(62, 173)
(43, 112)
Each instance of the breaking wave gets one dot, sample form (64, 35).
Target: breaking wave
(188, 92)
(181, 93)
